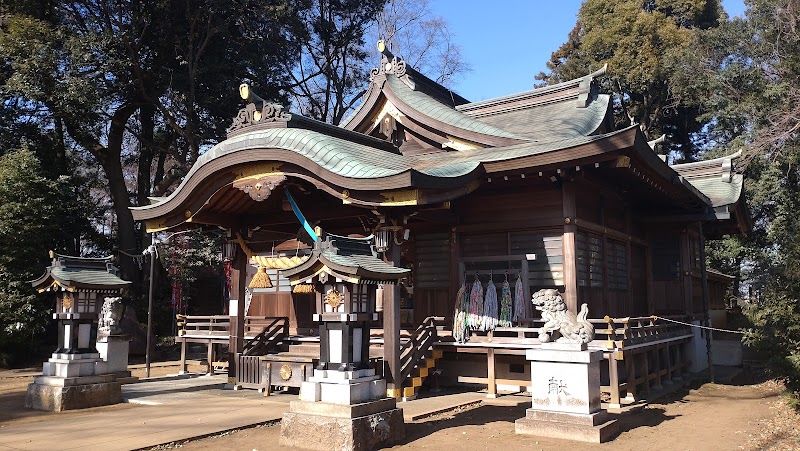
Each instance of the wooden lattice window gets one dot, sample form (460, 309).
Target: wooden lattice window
(432, 260)
(359, 299)
(589, 256)
(87, 302)
(547, 268)
(617, 261)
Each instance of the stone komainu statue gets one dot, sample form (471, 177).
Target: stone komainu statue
(110, 316)
(559, 320)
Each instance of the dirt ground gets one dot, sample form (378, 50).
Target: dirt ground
(12, 397)
(749, 416)
(708, 417)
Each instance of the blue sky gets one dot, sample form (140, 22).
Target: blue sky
(507, 42)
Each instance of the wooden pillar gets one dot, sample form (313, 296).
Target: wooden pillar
(686, 271)
(706, 301)
(210, 357)
(491, 391)
(613, 379)
(630, 376)
(237, 313)
(182, 367)
(391, 331)
(648, 260)
(570, 258)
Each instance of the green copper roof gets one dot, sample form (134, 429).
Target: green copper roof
(715, 178)
(78, 277)
(347, 256)
(80, 273)
(337, 155)
(719, 191)
(552, 122)
(433, 108)
(440, 164)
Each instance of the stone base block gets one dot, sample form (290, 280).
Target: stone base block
(342, 411)
(340, 392)
(593, 428)
(70, 395)
(114, 351)
(74, 365)
(334, 433)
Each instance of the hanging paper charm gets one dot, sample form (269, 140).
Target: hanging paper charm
(506, 304)
(490, 313)
(520, 310)
(476, 305)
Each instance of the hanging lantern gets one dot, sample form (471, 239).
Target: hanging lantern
(379, 299)
(229, 251)
(382, 237)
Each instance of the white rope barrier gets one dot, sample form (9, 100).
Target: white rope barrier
(698, 325)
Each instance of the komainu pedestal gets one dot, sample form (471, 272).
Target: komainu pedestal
(343, 410)
(565, 379)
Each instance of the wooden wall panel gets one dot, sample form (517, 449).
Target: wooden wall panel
(297, 307)
(534, 207)
(638, 277)
(433, 302)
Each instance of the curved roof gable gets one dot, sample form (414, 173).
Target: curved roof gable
(561, 111)
(715, 178)
(422, 105)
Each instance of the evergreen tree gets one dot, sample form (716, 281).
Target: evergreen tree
(36, 214)
(640, 42)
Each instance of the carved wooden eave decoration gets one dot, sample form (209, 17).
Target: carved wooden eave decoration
(257, 112)
(259, 187)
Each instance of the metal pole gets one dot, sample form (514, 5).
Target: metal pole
(152, 251)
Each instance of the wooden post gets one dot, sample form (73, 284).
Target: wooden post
(391, 331)
(210, 357)
(613, 379)
(706, 302)
(182, 368)
(668, 363)
(237, 313)
(492, 388)
(568, 243)
(630, 370)
(686, 272)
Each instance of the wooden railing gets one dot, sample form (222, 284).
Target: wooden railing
(273, 330)
(619, 333)
(206, 326)
(418, 344)
(219, 325)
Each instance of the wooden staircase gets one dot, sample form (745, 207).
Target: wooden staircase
(418, 359)
(271, 338)
(274, 332)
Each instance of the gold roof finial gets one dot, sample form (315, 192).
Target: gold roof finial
(247, 94)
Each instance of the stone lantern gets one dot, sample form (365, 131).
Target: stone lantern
(77, 376)
(344, 399)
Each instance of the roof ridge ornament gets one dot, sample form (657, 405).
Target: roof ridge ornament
(258, 111)
(391, 64)
(585, 86)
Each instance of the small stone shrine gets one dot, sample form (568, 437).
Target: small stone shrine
(76, 376)
(343, 406)
(565, 377)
